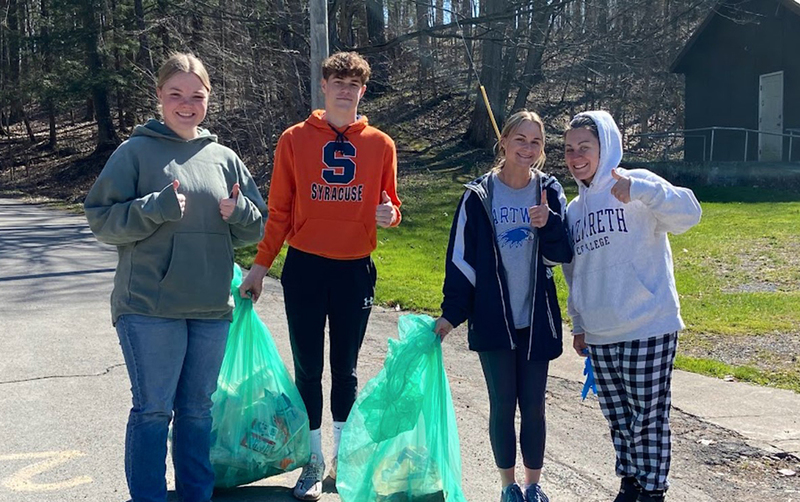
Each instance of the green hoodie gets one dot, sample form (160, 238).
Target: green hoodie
(170, 265)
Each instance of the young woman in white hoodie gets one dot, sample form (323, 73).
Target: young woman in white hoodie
(622, 296)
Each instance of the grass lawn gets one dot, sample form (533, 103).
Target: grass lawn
(737, 272)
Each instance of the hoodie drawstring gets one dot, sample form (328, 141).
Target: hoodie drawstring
(341, 139)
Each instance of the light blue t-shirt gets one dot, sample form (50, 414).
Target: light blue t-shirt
(515, 238)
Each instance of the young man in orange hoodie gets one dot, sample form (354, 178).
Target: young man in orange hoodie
(334, 180)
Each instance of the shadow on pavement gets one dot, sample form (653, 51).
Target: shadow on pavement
(55, 274)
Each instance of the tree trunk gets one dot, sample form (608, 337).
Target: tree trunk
(602, 16)
(292, 94)
(466, 13)
(439, 12)
(106, 135)
(28, 128)
(393, 27)
(119, 90)
(14, 37)
(163, 34)
(358, 21)
(394, 18)
(644, 125)
(222, 78)
(143, 57)
(198, 30)
(52, 142)
(376, 31)
(48, 68)
(510, 57)
(345, 23)
(423, 9)
(89, 110)
(334, 43)
(539, 36)
(376, 28)
(480, 131)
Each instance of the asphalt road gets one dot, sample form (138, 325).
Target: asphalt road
(64, 394)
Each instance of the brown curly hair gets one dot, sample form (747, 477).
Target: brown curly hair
(346, 64)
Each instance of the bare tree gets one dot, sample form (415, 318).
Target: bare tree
(49, 102)
(562, 55)
(480, 131)
(540, 24)
(106, 134)
(423, 11)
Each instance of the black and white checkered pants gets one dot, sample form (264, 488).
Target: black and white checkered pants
(634, 381)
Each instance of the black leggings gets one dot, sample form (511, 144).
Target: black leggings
(510, 378)
(316, 288)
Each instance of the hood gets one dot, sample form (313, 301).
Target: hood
(481, 185)
(317, 119)
(157, 129)
(610, 147)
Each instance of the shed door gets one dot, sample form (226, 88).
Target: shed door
(770, 116)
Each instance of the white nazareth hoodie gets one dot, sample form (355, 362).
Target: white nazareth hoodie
(621, 283)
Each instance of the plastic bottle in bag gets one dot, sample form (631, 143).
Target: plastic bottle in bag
(410, 471)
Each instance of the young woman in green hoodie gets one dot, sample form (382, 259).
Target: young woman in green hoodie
(175, 203)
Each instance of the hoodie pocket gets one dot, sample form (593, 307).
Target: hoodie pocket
(199, 275)
(611, 298)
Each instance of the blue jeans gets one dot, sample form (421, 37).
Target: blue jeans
(173, 365)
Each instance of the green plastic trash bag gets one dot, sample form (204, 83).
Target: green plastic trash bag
(260, 423)
(400, 442)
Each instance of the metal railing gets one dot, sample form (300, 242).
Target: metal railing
(793, 132)
(671, 135)
(790, 133)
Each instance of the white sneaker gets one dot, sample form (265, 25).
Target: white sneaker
(309, 484)
(334, 466)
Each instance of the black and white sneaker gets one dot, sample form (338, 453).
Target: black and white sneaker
(534, 493)
(512, 493)
(309, 485)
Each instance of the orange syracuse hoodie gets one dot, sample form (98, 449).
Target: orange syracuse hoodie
(326, 187)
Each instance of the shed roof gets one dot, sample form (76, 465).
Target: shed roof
(792, 5)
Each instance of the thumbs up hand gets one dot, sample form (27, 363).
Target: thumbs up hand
(385, 214)
(622, 188)
(539, 214)
(226, 206)
(181, 198)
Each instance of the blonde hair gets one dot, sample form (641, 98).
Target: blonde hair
(183, 62)
(511, 125)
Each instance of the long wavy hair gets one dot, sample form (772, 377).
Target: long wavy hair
(510, 127)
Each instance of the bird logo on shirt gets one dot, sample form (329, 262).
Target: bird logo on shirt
(516, 237)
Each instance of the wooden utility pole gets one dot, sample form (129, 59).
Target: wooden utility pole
(318, 12)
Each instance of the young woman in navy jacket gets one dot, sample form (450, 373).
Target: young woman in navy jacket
(507, 235)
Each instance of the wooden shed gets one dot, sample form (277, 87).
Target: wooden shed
(742, 70)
